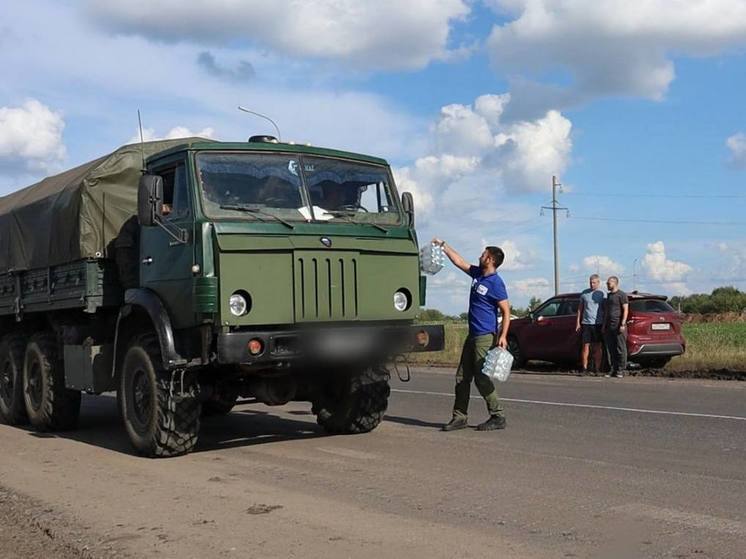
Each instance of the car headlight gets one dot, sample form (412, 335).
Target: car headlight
(401, 301)
(238, 304)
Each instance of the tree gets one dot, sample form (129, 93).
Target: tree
(431, 315)
(533, 303)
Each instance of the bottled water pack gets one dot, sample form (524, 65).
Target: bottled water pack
(497, 364)
(432, 258)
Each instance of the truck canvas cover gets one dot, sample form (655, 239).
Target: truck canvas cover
(76, 214)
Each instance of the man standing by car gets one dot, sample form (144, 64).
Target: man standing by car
(590, 320)
(488, 293)
(615, 327)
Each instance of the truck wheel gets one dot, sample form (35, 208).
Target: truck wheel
(222, 401)
(515, 351)
(49, 405)
(160, 421)
(354, 403)
(12, 406)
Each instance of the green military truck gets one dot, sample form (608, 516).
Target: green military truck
(185, 274)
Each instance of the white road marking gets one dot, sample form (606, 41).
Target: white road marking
(590, 406)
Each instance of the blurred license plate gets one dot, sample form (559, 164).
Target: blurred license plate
(663, 326)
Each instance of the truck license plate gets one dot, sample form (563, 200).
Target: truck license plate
(661, 326)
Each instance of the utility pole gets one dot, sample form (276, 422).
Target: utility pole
(554, 208)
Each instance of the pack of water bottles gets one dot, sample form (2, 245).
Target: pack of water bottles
(432, 258)
(497, 364)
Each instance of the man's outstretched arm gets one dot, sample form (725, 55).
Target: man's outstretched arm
(453, 256)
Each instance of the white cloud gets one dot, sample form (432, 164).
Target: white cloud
(735, 255)
(608, 47)
(530, 287)
(515, 258)
(149, 134)
(387, 34)
(535, 151)
(602, 265)
(30, 138)
(475, 156)
(671, 274)
(737, 146)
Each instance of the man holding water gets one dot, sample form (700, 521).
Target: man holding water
(488, 294)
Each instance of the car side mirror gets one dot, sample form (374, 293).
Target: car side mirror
(407, 202)
(149, 199)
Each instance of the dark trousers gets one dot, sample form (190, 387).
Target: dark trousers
(470, 369)
(616, 349)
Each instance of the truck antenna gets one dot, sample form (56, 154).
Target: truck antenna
(277, 128)
(142, 141)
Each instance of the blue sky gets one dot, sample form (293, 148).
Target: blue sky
(636, 106)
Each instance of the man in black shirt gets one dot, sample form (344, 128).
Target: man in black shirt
(615, 327)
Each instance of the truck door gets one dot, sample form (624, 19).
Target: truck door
(166, 263)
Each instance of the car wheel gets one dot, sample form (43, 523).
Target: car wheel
(515, 350)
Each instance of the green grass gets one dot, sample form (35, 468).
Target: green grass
(709, 346)
(713, 345)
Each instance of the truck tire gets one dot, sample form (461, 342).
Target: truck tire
(160, 422)
(222, 401)
(12, 406)
(353, 404)
(49, 405)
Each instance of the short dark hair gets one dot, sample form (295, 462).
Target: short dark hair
(497, 255)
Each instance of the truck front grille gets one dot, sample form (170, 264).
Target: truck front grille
(326, 286)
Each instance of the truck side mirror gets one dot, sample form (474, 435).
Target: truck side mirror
(149, 199)
(407, 203)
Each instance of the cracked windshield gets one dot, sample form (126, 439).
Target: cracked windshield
(269, 187)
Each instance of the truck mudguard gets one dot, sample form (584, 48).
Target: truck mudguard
(153, 306)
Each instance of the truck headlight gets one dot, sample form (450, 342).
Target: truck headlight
(238, 304)
(401, 300)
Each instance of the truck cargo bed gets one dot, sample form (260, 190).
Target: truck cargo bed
(84, 284)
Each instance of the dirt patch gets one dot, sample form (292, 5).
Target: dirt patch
(31, 529)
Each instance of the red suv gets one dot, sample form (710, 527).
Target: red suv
(548, 333)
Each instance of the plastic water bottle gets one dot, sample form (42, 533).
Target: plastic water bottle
(497, 364)
(432, 258)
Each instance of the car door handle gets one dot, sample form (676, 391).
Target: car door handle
(147, 261)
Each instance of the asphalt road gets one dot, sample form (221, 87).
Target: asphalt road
(586, 468)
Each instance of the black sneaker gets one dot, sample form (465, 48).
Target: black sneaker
(455, 424)
(493, 423)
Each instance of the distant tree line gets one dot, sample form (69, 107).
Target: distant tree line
(721, 300)
(434, 315)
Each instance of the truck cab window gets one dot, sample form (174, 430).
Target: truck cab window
(175, 194)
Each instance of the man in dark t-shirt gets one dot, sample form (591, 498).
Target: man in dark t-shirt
(487, 295)
(615, 327)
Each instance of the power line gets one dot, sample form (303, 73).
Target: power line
(666, 196)
(658, 221)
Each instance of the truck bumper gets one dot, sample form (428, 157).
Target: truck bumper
(359, 343)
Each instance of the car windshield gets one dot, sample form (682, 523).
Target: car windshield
(266, 186)
(650, 305)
